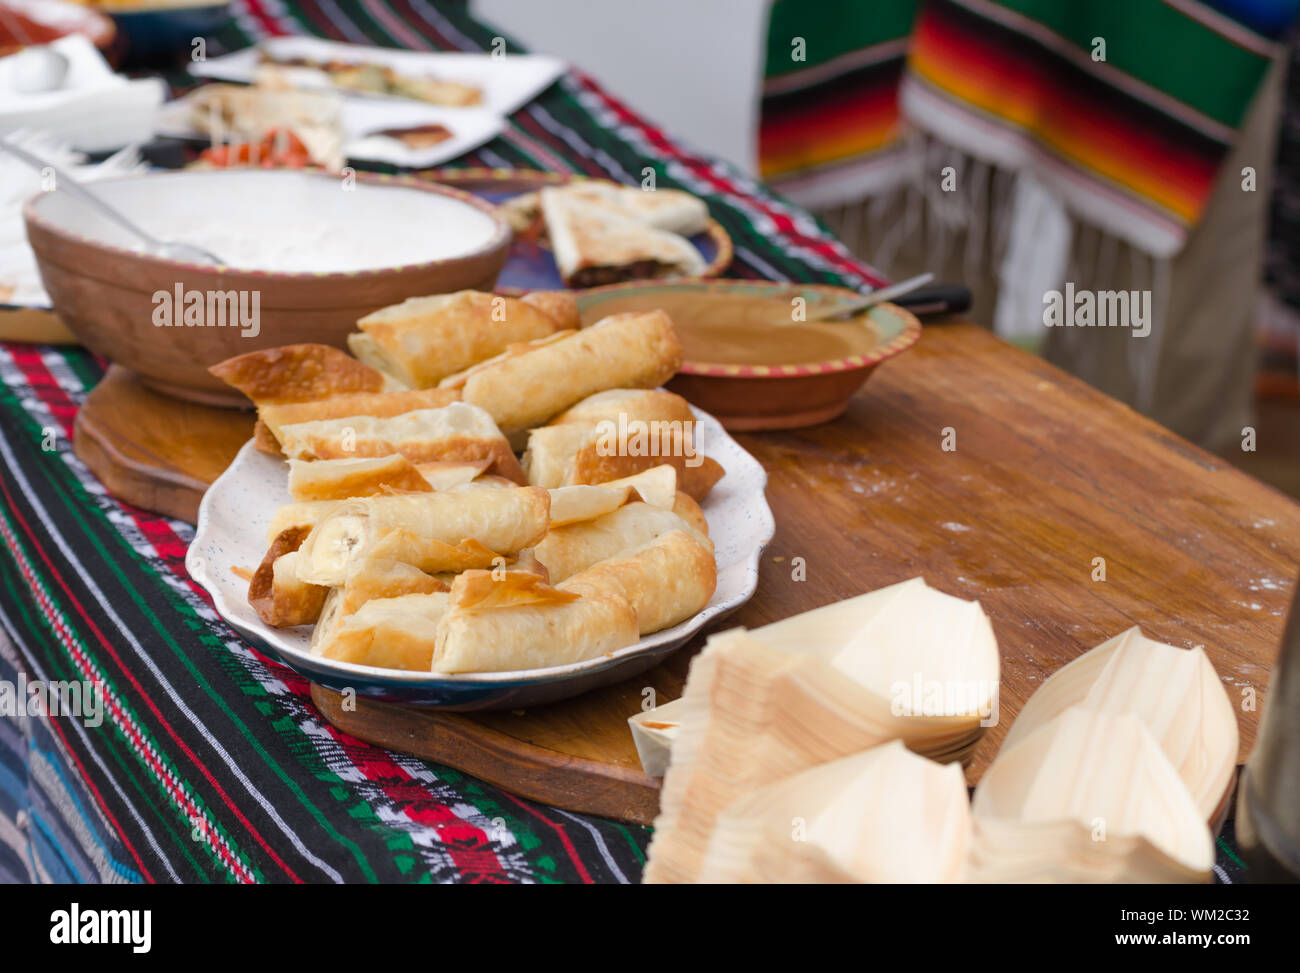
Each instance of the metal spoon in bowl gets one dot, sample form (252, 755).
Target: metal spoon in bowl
(872, 299)
(168, 249)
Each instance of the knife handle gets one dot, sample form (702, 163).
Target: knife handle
(936, 299)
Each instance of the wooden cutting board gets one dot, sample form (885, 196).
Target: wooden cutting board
(1046, 475)
(154, 451)
(577, 754)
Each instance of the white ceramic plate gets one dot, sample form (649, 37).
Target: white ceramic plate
(507, 82)
(360, 118)
(237, 508)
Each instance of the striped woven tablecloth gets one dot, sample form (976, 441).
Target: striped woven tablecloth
(210, 762)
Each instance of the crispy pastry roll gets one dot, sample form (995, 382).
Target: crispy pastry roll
(434, 532)
(619, 432)
(484, 483)
(455, 433)
(300, 383)
(643, 404)
(572, 504)
(575, 453)
(560, 306)
(567, 550)
(667, 580)
(299, 373)
(331, 615)
(306, 514)
(370, 577)
(391, 633)
(520, 622)
(424, 339)
(454, 475)
(684, 506)
(339, 479)
(656, 486)
(378, 404)
(526, 562)
(525, 387)
(265, 440)
(457, 382)
(275, 592)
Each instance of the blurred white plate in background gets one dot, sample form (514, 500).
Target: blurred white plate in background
(507, 82)
(360, 117)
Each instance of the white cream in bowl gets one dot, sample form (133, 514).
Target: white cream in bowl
(280, 221)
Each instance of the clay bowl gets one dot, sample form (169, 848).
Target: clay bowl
(340, 251)
(750, 373)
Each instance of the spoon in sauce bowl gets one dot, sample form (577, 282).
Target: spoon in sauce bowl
(167, 249)
(879, 296)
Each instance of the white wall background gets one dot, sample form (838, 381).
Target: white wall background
(691, 66)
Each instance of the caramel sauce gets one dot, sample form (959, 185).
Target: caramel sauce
(745, 329)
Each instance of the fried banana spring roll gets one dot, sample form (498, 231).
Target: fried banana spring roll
(524, 563)
(390, 633)
(265, 440)
(451, 476)
(306, 514)
(560, 306)
(275, 416)
(574, 453)
(276, 593)
(434, 532)
(454, 433)
(520, 622)
(644, 404)
(457, 382)
(372, 577)
(634, 350)
(340, 479)
(567, 550)
(424, 339)
(685, 506)
(667, 581)
(299, 373)
(573, 504)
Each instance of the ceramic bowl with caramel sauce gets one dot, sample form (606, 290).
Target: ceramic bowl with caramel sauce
(749, 359)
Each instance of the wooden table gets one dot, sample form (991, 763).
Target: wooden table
(1042, 477)
(1046, 476)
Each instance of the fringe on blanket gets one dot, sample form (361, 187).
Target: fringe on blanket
(996, 228)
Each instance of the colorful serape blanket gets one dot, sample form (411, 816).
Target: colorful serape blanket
(211, 764)
(1126, 110)
(829, 123)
